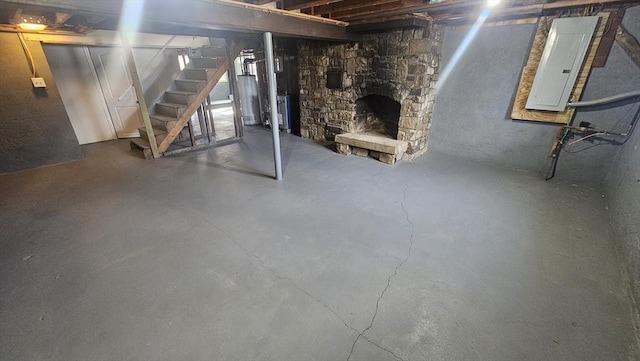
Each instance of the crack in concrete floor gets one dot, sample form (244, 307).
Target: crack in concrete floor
(395, 272)
(248, 253)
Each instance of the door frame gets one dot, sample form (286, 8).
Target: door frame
(104, 96)
(94, 73)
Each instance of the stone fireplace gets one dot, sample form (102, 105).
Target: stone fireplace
(383, 104)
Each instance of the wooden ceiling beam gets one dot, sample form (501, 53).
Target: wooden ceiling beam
(347, 5)
(304, 4)
(526, 10)
(467, 10)
(209, 15)
(256, 2)
(403, 22)
(398, 7)
(262, 2)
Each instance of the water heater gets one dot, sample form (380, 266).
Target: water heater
(249, 102)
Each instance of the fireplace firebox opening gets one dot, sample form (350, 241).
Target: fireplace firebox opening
(378, 114)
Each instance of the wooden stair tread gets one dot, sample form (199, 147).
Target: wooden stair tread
(163, 118)
(140, 143)
(205, 62)
(181, 92)
(221, 102)
(143, 145)
(206, 57)
(172, 105)
(192, 80)
(156, 131)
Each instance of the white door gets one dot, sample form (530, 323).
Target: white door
(77, 82)
(115, 81)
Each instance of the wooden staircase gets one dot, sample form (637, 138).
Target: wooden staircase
(192, 87)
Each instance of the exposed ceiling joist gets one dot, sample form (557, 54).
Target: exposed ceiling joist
(524, 10)
(403, 22)
(468, 10)
(204, 15)
(262, 2)
(303, 4)
(347, 5)
(398, 7)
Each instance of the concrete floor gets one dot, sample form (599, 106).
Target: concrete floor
(202, 256)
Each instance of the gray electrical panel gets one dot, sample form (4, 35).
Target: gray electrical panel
(562, 58)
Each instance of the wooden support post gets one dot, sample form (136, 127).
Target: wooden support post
(202, 118)
(192, 136)
(137, 86)
(208, 118)
(608, 37)
(204, 128)
(233, 82)
(629, 44)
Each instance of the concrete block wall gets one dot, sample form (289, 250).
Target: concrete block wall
(35, 128)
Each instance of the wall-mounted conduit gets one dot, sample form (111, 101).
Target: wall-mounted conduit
(589, 132)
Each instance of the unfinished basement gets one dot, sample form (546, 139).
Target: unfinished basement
(319, 180)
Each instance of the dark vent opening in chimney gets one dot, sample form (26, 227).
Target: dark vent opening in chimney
(377, 113)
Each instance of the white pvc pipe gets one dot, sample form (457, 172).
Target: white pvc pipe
(273, 102)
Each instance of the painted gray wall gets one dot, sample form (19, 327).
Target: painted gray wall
(623, 198)
(36, 130)
(623, 188)
(472, 110)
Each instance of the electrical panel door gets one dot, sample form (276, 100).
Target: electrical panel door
(562, 58)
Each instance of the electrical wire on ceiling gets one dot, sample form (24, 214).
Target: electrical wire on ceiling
(27, 52)
(591, 12)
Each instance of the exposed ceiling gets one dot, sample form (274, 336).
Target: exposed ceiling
(445, 11)
(321, 19)
(212, 18)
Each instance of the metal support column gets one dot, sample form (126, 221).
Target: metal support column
(273, 102)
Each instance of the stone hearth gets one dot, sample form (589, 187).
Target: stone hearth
(387, 92)
(376, 145)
